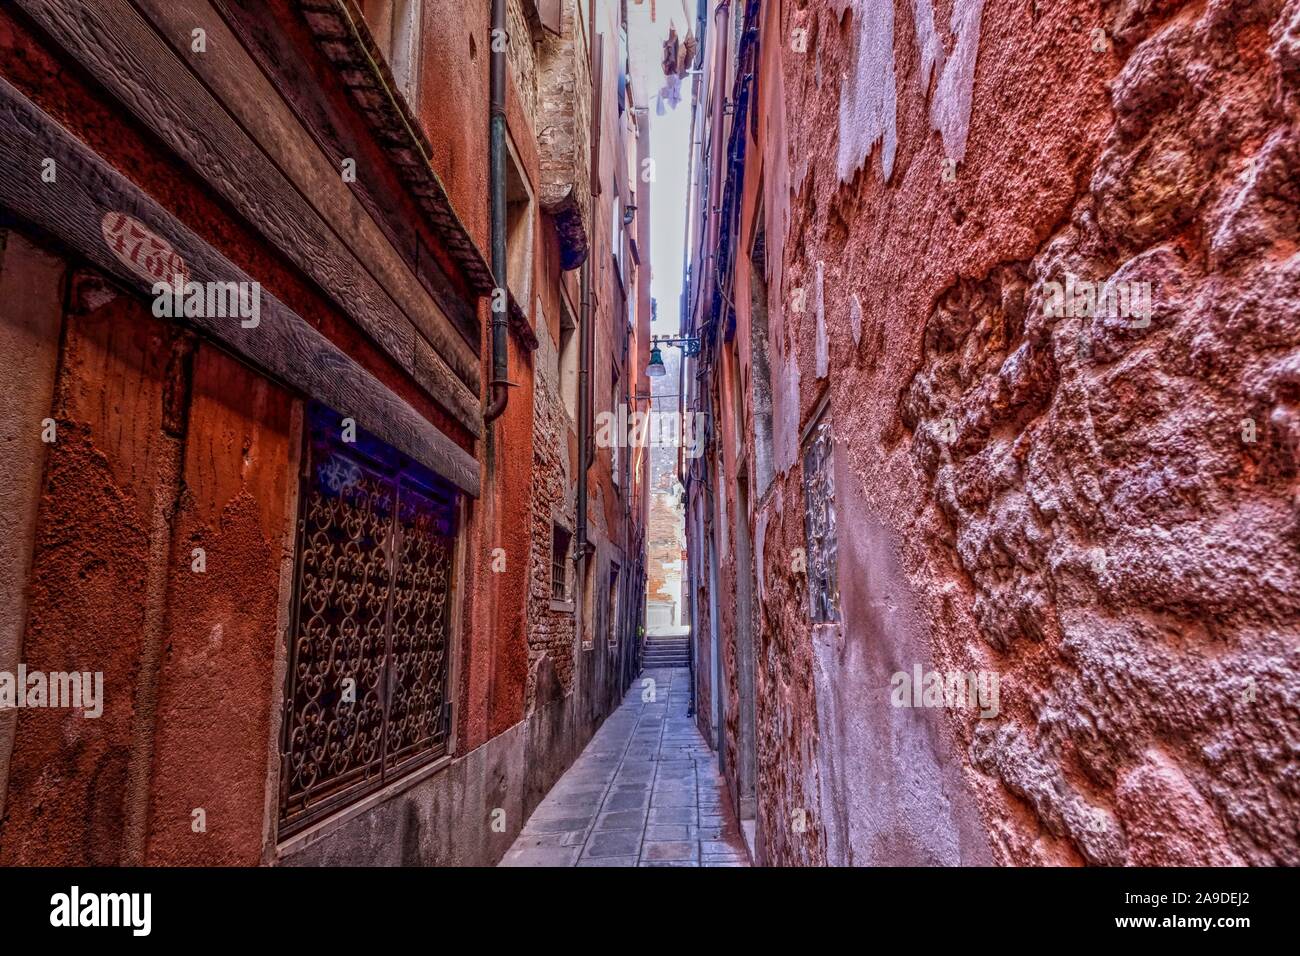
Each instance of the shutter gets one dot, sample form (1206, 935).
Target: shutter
(549, 12)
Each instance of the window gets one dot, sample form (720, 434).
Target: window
(819, 524)
(615, 446)
(760, 369)
(613, 604)
(366, 693)
(560, 538)
(395, 25)
(616, 237)
(568, 359)
(588, 602)
(519, 231)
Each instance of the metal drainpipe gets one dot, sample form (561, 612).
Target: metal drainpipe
(584, 420)
(497, 146)
(586, 337)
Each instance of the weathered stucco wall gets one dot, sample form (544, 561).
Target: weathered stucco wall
(165, 445)
(552, 631)
(31, 317)
(160, 448)
(109, 481)
(1099, 509)
(225, 624)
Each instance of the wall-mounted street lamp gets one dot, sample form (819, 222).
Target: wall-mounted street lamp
(629, 211)
(689, 345)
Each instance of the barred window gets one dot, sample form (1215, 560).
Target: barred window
(819, 525)
(366, 693)
(560, 538)
(613, 604)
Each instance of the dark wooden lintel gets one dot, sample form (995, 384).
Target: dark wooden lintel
(87, 192)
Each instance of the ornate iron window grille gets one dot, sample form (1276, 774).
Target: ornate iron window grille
(613, 605)
(819, 525)
(366, 693)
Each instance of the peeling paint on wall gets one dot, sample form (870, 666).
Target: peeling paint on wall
(951, 106)
(823, 349)
(869, 100)
(785, 405)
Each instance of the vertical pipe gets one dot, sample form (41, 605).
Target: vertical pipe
(584, 437)
(686, 326)
(497, 147)
(585, 351)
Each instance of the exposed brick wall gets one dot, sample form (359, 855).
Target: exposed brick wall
(564, 121)
(551, 632)
(664, 545)
(523, 57)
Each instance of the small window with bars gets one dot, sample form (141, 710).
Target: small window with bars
(560, 538)
(819, 525)
(613, 604)
(366, 693)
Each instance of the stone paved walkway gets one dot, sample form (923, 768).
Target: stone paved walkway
(645, 792)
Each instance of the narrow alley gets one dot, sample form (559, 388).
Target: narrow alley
(650, 433)
(645, 792)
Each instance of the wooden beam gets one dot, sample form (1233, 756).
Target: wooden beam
(87, 192)
(121, 50)
(285, 65)
(241, 83)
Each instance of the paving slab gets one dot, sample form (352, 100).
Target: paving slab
(644, 792)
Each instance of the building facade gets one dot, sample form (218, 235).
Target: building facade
(303, 498)
(994, 542)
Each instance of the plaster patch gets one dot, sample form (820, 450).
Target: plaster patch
(823, 347)
(950, 109)
(927, 40)
(785, 411)
(869, 101)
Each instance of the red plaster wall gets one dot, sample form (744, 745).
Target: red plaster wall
(68, 787)
(139, 436)
(214, 702)
(27, 63)
(1162, 680)
(217, 690)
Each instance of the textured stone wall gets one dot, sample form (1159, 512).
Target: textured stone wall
(551, 629)
(522, 53)
(1097, 504)
(665, 538)
(564, 121)
(1120, 491)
